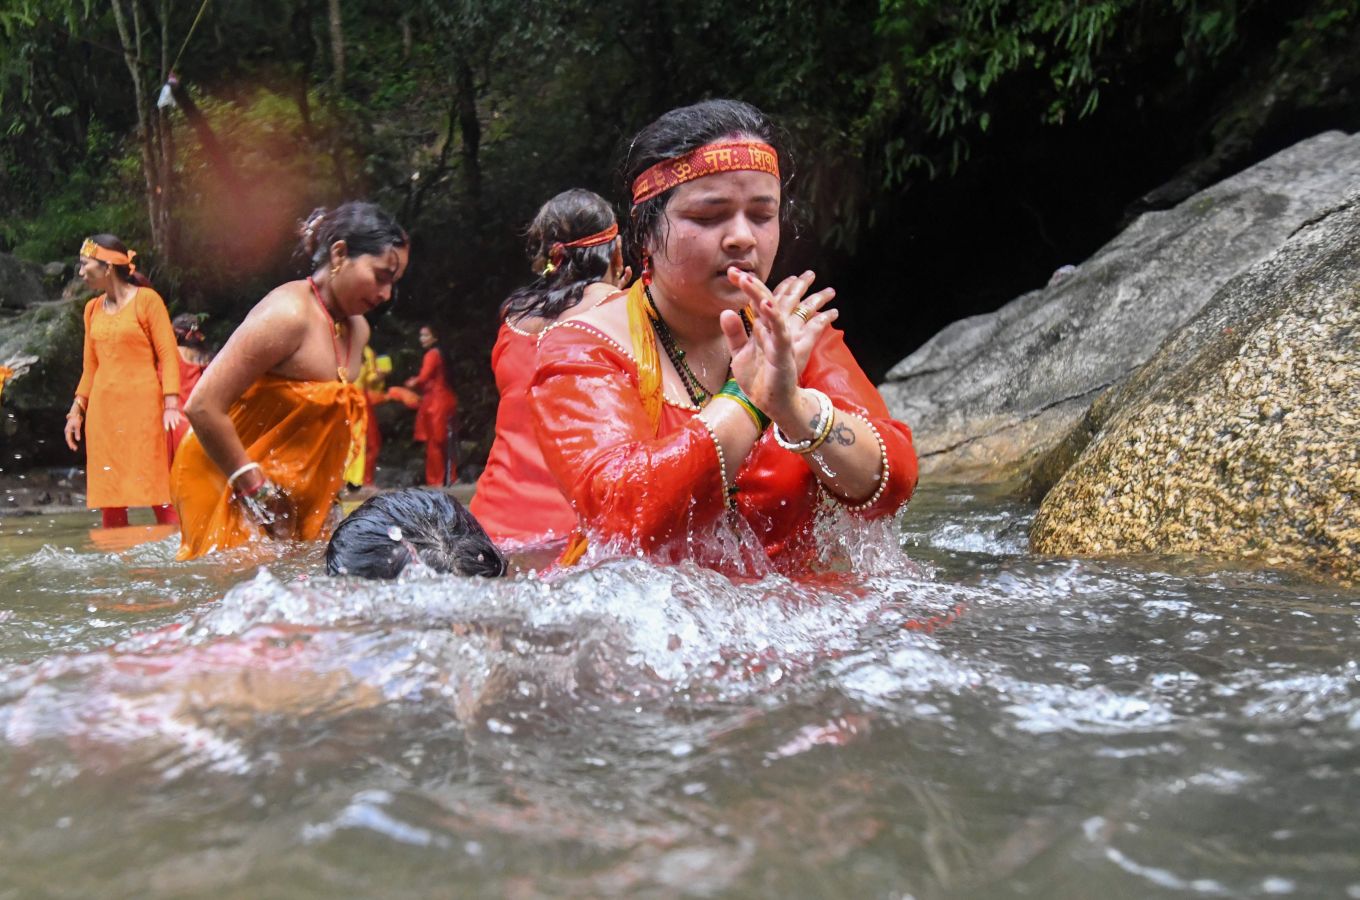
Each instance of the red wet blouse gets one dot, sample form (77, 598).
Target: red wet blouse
(518, 501)
(660, 490)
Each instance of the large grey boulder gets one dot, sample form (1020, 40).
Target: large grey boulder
(1241, 437)
(34, 405)
(1001, 397)
(20, 286)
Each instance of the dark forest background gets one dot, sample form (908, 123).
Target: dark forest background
(948, 155)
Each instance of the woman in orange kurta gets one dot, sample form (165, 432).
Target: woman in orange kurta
(575, 248)
(435, 416)
(193, 359)
(701, 391)
(123, 404)
(275, 413)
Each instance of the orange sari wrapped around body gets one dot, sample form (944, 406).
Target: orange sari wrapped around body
(518, 501)
(127, 461)
(299, 431)
(658, 488)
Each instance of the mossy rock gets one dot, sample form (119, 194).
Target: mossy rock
(1240, 438)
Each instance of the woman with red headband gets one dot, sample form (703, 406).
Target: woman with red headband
(575, 251)
(124, 407)
(276, 411)
(701, 415)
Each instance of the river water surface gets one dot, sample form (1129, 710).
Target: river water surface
(958, 719)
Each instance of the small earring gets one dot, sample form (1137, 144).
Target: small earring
(646, 270)
(335, 268)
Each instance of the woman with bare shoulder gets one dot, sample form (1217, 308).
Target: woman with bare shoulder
(275, 412)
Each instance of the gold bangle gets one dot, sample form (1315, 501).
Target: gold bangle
(826, 413)
(823, 434)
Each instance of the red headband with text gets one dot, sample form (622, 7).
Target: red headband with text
(710, 159)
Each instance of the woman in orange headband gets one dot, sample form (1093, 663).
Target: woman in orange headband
(575, 252)
(123, 407)
(276, 411)
(702, 415)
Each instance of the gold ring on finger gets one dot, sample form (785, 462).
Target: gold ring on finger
(802, 312)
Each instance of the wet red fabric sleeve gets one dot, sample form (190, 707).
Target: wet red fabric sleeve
(625, 482)
(833, 370)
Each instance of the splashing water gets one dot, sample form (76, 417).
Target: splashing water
(964, 720)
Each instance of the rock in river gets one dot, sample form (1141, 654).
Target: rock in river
(1002, 396)
(1240, 438)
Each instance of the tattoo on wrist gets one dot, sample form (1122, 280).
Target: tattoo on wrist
(842, 434)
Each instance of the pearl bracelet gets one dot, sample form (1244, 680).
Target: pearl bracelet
(826, 415)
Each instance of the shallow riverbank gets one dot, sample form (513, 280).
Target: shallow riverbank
(51, 492)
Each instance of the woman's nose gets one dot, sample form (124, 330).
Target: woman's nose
(740, 234)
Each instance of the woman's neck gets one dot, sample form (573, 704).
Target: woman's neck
(120, 292)
(322, 280)
(694, 332)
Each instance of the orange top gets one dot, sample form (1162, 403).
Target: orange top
(661, 490)
(518, 500)
(127, 462)
(437, 399)
(299, 432)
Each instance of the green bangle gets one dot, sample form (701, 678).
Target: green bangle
(732, 391)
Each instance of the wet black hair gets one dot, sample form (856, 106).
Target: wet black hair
(569, 216)
(366, 229)
(677, 133)
(379, 538)
(124, 273)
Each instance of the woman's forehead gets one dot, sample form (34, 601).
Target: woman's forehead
(728, 187)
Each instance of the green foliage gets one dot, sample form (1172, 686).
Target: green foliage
(100, 195)
(462, 116)
(944, 63)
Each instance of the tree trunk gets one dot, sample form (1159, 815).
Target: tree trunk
(337, 46)
(337, 129)
(130, 36)
(471, 129)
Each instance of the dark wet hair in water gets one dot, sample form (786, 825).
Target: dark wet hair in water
(389, 530)
(569, 216)
(366, 229)
(124, 273)
(677, 133)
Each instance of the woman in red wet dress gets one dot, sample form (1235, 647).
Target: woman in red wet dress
(701, 415)
(575, 249)
(435, 416)
(193, 359)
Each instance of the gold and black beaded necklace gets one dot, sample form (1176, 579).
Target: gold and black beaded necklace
(698, 393)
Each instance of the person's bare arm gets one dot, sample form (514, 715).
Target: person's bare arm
(272, 332)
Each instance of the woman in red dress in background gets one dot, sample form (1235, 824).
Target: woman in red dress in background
(437, 412)
(575, 250)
